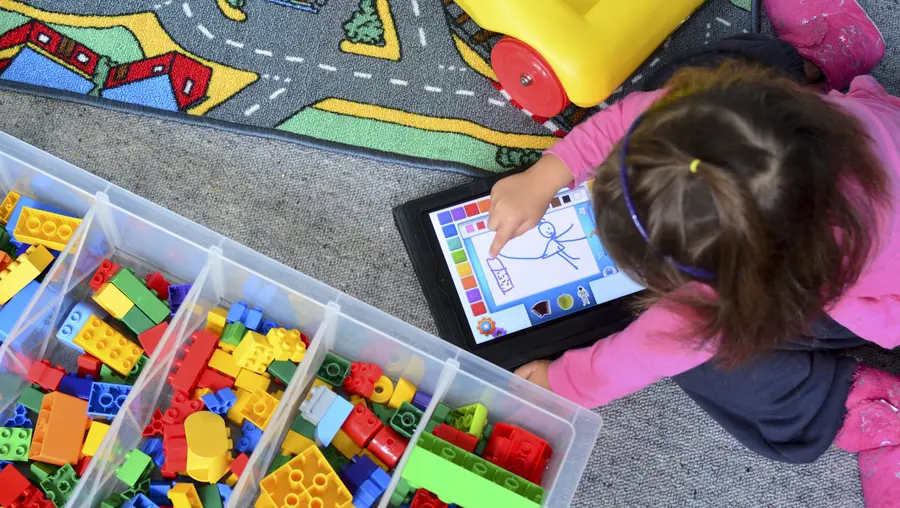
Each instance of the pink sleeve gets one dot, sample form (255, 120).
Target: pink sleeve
(588, 145)
(875, 319)
(623, 363)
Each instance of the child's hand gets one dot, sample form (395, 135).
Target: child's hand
(518, 202)
(536, 372)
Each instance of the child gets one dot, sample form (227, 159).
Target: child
(764, 219)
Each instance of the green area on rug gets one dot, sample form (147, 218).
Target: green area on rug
(365, 27)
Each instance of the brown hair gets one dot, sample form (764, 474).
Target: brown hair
(782, 207)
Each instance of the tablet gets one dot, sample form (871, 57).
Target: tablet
(548, 290)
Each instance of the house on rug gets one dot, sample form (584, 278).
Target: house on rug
(172, 82)
(35, 54)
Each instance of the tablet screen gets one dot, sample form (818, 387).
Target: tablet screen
(554, 270)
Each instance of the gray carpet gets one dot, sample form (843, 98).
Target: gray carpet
(657, 448)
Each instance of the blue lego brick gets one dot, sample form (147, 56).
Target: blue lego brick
(268, 325)
(356, 472)
(139, 501)
(154, 448)
(332, 420)
(22, 248)
(177, 294)
(75, 321)
(159, 490)
(250, 436)
(224, 492)
(236, 312)
(421, 400)
(76, 386)
(19, 419)
(253, 319)
(106, 399)
(221, 401)
(15, 307)
(371, 489)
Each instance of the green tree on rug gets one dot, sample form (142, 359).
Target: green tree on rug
(104, 65)
(508, 157)
(237, 4)
(365, 26)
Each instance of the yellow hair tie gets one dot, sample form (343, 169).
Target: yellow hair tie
(694, 164)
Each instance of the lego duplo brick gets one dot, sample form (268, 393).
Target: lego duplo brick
(59, 430)
(109, 346)
(134, 288)
(39, 227)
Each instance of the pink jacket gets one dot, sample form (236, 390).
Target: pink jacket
(650, 349)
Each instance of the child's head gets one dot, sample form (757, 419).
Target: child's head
(752, 184)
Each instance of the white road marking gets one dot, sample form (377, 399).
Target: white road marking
(234, 43)
(451, 68)
(263, 52)
(276, 93)
(495, 102)
(265, 76)
(187, 10)
(295, 59)
(276, 78)
(724, 22)
(422, 40)
(468, 93)
(167, 2)
(637, 78)
(433, 89)
(205, 32)
(399, 82)
(462, 69)
(287, 80)
(617, 90)
(654, 62)
(157, 7)
(252, 109)
(329, 68)
(415, 5)
(707, 35)
(363, 75)
(441, 67)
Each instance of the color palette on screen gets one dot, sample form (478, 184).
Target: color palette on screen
(462, 265)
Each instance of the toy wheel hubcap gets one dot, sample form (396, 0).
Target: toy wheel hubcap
(528, 77)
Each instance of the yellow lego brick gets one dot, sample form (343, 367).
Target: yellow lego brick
(184, 495)
(254, 352)
(403, 392)
(227, 347)
(251, 381)
(224, 363)
(51, 230)
(8, 205)
(308, 478)
(23, 270)
(287, 344)
(279, 394)
(107, 345)
(358, 399)
(319, 382)
(375, 459)
(209, 446)
(112, 300)
(259, 408)
(295, 442)
(234, 414)
(231, 480)
(215, 321)
(384, 389)
(94, 437)
(200, 392)
(345, 445)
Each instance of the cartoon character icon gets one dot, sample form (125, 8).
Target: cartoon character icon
(584, 295)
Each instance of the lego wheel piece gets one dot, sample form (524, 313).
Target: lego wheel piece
(528, 77)
(486, 326)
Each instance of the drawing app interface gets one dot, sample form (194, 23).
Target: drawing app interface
(556, 269)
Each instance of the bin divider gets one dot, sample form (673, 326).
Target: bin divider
(105, 218)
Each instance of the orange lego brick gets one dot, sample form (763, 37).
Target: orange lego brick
(254, 352)
(109, 346)
(51, 230)
(59, 430)
(287, 344)
(259, 408)
(307, 474)
(23, 270)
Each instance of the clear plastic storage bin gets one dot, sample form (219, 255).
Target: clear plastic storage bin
(121, 225)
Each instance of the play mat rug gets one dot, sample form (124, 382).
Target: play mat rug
(397, 80)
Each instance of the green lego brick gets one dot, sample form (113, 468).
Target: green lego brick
(469, 419)
(133, 288)
(406, 419)
(60, 485)
(209, 496)
(41, 470)
(15, 444)
(136, 463)
(31, 398)
(277, 462)
(383, 413)
(485, 436)
(398, 497)
(303, 427)
(137, 321)
(441, 412)
(135, 371)
(233, 333)
(333, 370)
(334, 457)
(282, 370)
(459, 477)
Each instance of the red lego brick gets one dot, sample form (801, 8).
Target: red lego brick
(186, 371)
(388, 446)
(456, 437)
(32, 498)
(175, 449)
(105, 272)
(182, 406)
(156, 282)
(89, 366)
(82, 465)
(305, 339)
(156, 425)
(150, 339)
(362, 425)
(362, 378)
(426, 499)
(518, 451)
(214, 381)
(47, 376)
(12, 485)
(239, 463)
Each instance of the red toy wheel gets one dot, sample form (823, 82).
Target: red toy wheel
(528, 78)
